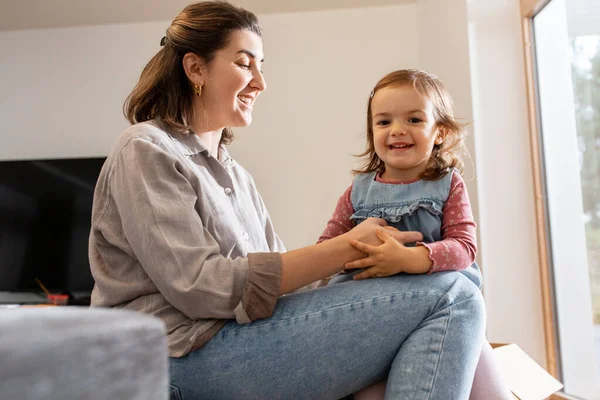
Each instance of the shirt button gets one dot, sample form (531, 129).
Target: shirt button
(246, 236)
(228, 191)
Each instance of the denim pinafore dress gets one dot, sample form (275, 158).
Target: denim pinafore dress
(413, 206)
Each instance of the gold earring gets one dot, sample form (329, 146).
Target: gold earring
(197, 89)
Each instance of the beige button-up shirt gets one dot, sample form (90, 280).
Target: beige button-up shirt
(181, 235)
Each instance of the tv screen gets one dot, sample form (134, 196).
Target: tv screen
(45, 215)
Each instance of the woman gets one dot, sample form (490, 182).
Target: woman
(179, 231)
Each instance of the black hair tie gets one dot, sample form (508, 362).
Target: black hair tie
(163, 41)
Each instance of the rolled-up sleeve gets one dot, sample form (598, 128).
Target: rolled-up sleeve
(262, 288)
(156, 204)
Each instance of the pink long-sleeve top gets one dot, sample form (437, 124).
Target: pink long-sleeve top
(458, 247)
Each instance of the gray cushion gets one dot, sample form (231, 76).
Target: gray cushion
(76, 353)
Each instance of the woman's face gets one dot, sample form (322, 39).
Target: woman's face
(232, 81)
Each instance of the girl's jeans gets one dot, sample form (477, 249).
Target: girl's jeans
(423, 332)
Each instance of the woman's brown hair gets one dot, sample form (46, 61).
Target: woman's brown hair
(163, 89)
(445, 156)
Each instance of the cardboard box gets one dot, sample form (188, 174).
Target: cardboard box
(526, 379)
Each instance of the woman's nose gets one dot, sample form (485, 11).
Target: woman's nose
(258, 81)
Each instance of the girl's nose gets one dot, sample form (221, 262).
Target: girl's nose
(398, 129)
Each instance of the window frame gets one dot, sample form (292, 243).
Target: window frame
(529, 9)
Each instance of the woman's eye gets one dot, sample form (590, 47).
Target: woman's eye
(244, 66)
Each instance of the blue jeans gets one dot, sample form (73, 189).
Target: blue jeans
(423, 332)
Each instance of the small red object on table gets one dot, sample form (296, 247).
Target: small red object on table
(58, 299)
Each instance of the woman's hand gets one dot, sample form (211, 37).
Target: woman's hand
(365, 231)
(391, 256)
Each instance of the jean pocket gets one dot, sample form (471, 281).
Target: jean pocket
(474, 275)
(174, 393)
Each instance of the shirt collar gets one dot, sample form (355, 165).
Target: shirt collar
(226, 159)
(191, 144)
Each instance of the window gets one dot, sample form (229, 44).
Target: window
(564, 82)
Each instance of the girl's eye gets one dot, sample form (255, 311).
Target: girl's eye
(383, 122)
(415, 120)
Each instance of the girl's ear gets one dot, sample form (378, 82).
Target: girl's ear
(441, 135)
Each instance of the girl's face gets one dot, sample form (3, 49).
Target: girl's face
(404, 131)
(233, 80)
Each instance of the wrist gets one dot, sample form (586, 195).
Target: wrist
(420, 263)
(342, 250)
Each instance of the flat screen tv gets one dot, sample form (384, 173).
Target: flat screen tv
(45, 214)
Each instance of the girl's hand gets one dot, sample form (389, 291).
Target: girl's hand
(390, 257)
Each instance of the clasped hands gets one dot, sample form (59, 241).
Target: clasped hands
(385, 252)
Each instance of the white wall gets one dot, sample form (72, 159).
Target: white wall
(444, 51)
(62, 90)
(504, 175)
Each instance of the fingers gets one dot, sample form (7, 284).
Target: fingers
(365, 248)
(406, 237)
(367, 273)
(383, 236)
(362, 263)
(403, 236)
(375, 221)
(413, 237)
(388, 235)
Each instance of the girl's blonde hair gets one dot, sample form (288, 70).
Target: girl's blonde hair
(445, 156)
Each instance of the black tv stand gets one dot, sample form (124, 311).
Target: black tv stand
(22, 298)
(76, 298)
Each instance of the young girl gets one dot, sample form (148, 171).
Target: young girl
(411, 179)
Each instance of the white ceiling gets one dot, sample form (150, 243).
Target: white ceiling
(34, 14)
